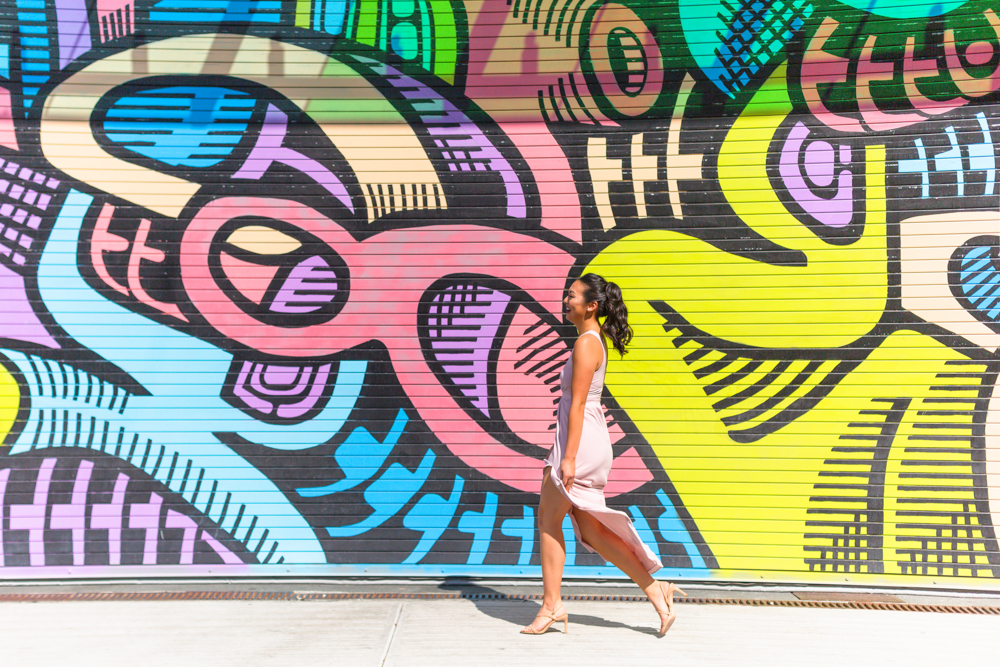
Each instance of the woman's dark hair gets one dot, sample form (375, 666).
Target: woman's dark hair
(610, 306)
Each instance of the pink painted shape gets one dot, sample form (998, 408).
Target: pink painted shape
(178, 520)
(4, 476)
(527, 403)
(108, 516)
(252, 280)
(628, 473)
(228, 557)
(553, 177)
(383, 305)
(869, 71)
(73, 516)
(8, 132)
(115, 19)
(146, 516)
(18, 320)
(32, 517)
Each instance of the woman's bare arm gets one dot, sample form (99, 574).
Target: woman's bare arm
(588, 354)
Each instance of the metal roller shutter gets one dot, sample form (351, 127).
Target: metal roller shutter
(281, 282)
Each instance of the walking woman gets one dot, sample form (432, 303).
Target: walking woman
(578, 465)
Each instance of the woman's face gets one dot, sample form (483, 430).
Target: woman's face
(575, 306)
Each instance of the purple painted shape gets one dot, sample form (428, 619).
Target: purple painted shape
(240, 390)
(435, 110)
(4, 475)
(178, 520)
(467, 312)
(108, 516)
(228, 557)
(146, 516)
(836, 212)
(74, 30)
(32, 517)
(299, 376)
(283, 376)
(17, 318)
(319, 379)
(268, 150)
(73, 516)
(309, 286)
(819, 163)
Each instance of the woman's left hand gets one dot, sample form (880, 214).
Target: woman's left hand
(567, 472)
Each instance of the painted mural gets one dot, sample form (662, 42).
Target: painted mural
(281, 282)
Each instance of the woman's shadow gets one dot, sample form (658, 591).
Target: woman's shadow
(520, 613)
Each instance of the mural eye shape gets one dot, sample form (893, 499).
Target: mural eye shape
(280, 277)
(628, 60)
(183, 126)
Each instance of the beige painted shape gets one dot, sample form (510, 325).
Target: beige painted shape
(926, 245)
(263, 240)
(680, 167)
(602, 170)
(644, 169)
(69, 145)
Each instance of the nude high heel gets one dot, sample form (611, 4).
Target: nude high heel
(552, 618)
(668, 617)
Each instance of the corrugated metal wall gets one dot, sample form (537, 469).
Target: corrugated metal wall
(280, 283)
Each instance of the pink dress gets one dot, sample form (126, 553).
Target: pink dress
(593, 463)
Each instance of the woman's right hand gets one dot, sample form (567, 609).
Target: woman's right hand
(567, 472)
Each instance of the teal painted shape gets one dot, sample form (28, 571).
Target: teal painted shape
(903, 9)
(523, 528)
(431, 516)
(404, 40)
(360, 457)
(387, 495)
(5, 60)
(480, 526)
(672, 529)
(403, 8)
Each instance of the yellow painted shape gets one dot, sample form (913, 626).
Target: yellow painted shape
(10, 402)
(837, 297)
(263, 240)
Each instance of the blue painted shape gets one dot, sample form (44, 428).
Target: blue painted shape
(5, 60)
(672, 530)
(523, 528)
(951, 160)
(980, 282)
(217, 11)
(982, 156)
(333, 16)
(569, 537)
(480, 526)
(387, 495)
(918, 166)
(359, 457)
(199, 128)
(642, 527)
(186, 371)
(431, 516)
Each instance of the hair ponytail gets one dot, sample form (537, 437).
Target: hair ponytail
(611, 307)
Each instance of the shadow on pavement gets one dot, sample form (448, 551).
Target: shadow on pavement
(520, 612)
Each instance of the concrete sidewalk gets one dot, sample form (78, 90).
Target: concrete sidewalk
(441, 632)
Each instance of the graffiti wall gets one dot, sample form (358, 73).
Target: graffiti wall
(281, 282)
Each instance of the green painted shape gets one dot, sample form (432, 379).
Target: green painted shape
(303, 9)
(905, 9)
(362, 104)
(445, 40)
(367, 22)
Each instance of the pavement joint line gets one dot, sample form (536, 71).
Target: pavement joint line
(288, 596)
(392, 635)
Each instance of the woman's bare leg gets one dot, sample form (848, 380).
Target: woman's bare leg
(614, 549)
(552, 507)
